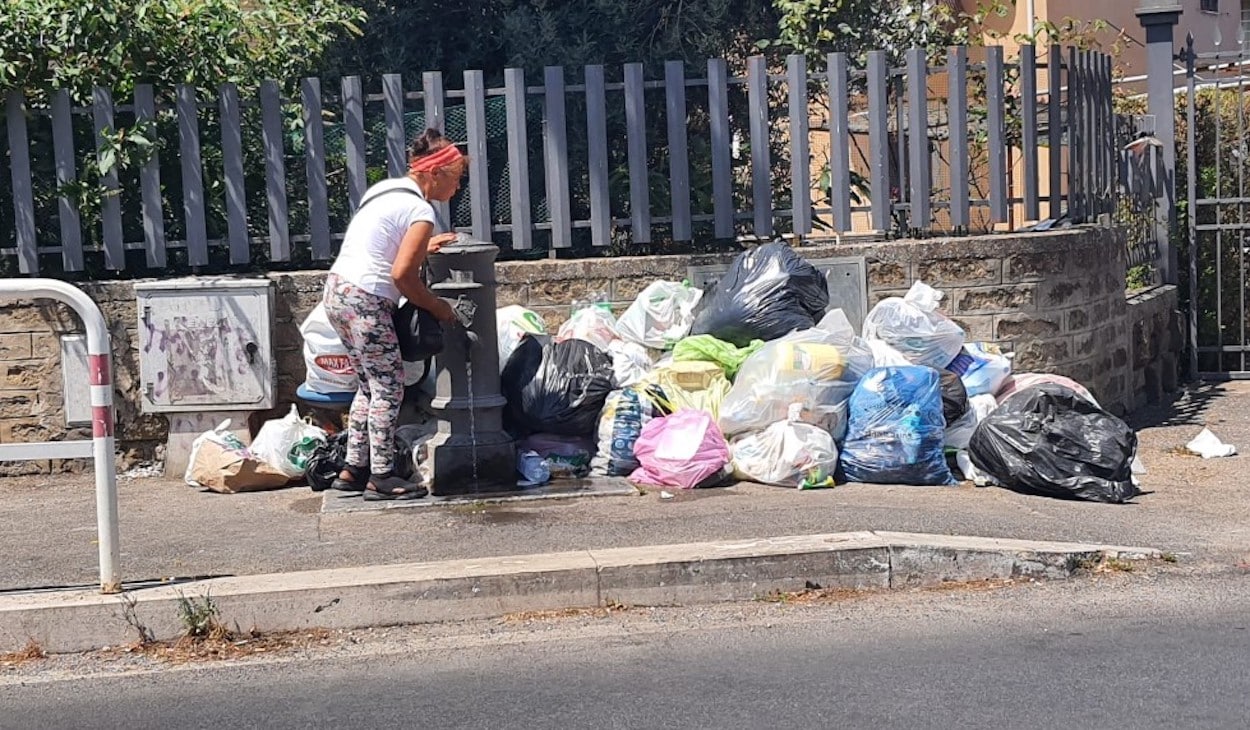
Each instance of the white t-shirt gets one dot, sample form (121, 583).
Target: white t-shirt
(375, 232)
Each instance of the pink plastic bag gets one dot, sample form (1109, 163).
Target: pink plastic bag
(683, 450)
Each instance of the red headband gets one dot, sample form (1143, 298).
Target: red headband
(432, 162)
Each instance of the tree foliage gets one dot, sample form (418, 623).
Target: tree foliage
(53, 44)
(412, 37)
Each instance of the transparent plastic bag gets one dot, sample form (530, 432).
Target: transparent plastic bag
(914, 326)
(595, 325)
(690, 386)
(816, 369)
(620, 425)
(788, 454)
(895, 433)
(286, 443)
(660, 316)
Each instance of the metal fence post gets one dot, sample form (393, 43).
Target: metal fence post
(1158, 18)
(101, 447)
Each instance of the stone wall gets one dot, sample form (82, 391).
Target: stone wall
(1057, 299)
(1156, 345)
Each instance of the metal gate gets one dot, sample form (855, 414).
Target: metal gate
(1218, 185)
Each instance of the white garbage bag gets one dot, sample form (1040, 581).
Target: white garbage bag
(982, 367)
(512, 324)
(661, 315)
(630, 362)
(328, 368)
(914, 326)
(959, 433)
(788, 453)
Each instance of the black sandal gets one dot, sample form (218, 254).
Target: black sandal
(357, 483)
(390, 487)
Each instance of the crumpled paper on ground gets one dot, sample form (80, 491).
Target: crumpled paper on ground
(1207, 445)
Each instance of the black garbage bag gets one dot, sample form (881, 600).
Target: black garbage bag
(768, 292)
(330, 458)
(954, 397)
(1047, 440)
(555, 387)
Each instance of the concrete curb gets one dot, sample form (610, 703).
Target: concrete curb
(348, 598)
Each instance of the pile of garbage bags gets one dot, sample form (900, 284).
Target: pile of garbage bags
(754, 378)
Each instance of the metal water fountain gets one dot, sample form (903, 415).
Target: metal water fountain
(471, 453)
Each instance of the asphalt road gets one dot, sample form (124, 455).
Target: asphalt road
(1124, 651)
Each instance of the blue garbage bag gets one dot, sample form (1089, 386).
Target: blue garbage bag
(895, 429)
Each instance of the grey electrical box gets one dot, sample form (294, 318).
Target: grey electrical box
(847, 279)
(204, 345)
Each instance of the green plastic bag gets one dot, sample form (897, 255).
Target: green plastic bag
(707, 348)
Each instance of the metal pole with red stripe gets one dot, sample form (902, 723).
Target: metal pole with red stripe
(102, 444)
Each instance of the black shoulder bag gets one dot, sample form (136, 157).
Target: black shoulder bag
(420, 334)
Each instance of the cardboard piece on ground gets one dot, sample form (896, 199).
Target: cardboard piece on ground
(230, 471)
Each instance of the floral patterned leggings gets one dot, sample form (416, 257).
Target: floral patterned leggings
(365, 323)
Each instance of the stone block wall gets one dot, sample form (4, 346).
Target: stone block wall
(1156, 345)
(1057, 299)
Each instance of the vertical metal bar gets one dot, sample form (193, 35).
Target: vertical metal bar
(1054, 122)
(997, 143)
(678, 159)
(192, 176)
(1028, 142)
(150, 183)
(111, 207)
(636, 136)
(957, 74)
(556, 147)
(1090, 138)
(393, 113)
(722, 141)
(918, 137)
(315, 169)
(1241, 215)
(1076, 210)
(479, 176)
(232, 156)
(1216, 102)
(1191, 178)
(354, 140)
(23, 192)
(435, 118)
(761, 172)
(800, 146)
(597, 142)
(839, 143)
(879, 139)
(518, 159)
(1106, 135)
(66, 174)
(275, 171)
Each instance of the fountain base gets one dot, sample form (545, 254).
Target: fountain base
(452, 470)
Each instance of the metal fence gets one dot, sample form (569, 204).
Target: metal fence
(610, 161)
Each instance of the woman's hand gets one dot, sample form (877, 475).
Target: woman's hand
(442, 239)
(443, 311)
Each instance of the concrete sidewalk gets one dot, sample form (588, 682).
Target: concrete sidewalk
(1198, 509)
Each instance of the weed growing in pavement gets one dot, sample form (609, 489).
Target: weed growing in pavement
(130, 614)
(201, 619)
